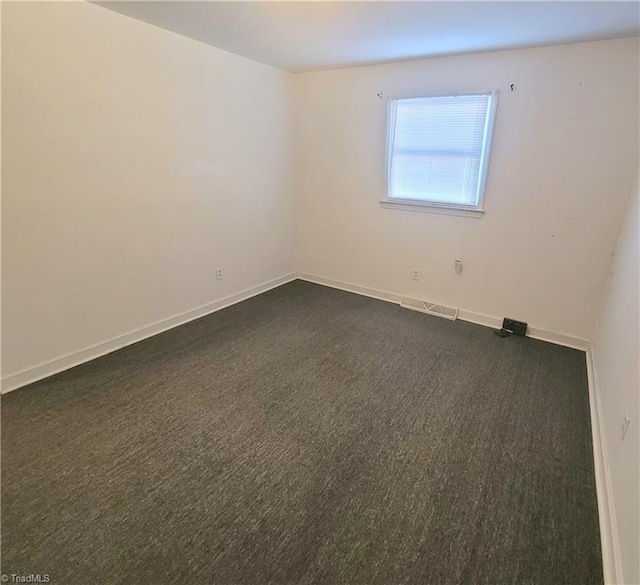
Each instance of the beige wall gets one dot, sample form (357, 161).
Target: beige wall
(135, 161)
(563, 162)
(616, 351)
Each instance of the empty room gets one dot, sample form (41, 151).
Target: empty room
(303, 293)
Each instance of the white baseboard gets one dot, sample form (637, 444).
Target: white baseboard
(354, 288)
(611, 559)
(44, 370)
(464, 315)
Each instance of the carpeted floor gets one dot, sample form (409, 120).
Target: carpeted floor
(304, 436)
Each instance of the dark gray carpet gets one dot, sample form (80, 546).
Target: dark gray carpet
(307, 435)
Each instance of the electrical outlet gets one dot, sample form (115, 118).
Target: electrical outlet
(416, 274)
(457, 266)
(625, 424)
(219, 274)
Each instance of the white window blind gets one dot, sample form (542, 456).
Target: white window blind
(438, 149)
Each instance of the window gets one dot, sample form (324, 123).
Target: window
(438, 151)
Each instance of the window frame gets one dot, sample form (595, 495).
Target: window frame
(434, 206)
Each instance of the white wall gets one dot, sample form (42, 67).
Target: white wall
(135, 162)
(564, 155)
(616, 351)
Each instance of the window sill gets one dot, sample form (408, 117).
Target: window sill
(407, 205)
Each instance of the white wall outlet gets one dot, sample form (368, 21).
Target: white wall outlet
(625, 424)
(457, 266)
(416, 274)
(219, 274)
